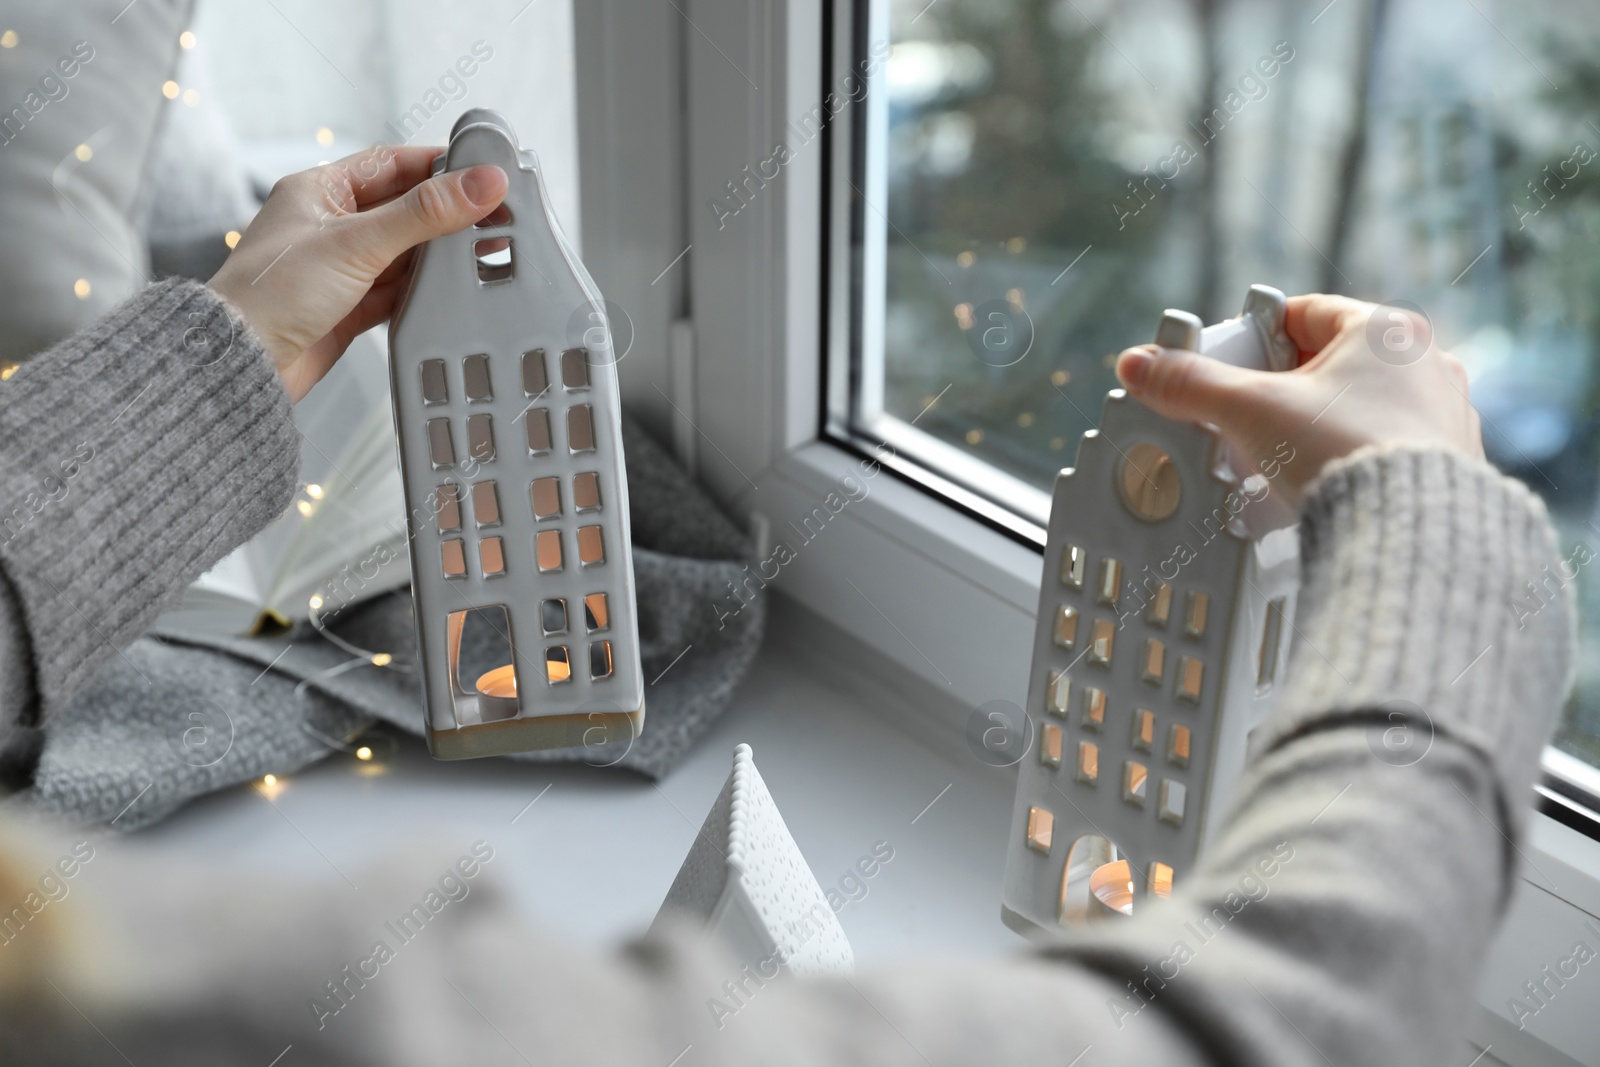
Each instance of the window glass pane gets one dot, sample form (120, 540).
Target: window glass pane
(1053, 174)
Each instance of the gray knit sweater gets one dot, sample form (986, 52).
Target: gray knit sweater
(1341, 916)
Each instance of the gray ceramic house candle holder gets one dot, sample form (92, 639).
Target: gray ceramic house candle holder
(1164, 614)
(509, 425)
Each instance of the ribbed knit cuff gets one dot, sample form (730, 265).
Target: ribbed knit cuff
(136, 454)
(1434, 602)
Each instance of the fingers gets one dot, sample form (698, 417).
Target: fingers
(399, 266)
(430, 209)
(1315, 319)
(373, 308)
(1187, 386)
(386, 171)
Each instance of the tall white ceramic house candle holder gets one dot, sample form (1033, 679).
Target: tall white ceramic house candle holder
(511, 453)
(1164, 614)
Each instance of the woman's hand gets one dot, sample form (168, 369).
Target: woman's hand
(330, 252)
(1368, 374)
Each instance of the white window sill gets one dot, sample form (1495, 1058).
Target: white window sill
(593, 858)
(856, 749)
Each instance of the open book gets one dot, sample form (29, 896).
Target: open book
(343, 539)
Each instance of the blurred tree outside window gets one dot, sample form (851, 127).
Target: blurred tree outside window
(1084, 164)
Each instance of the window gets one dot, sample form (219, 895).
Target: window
(1033, 181)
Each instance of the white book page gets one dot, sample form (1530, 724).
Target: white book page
(349, 511)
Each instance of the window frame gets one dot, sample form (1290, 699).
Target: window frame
(733, 345)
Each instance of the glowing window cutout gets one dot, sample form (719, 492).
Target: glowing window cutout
(596, 612)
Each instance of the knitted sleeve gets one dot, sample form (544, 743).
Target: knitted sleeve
(1340, 917)
(135, 455)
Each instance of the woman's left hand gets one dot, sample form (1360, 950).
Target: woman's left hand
(330, 252)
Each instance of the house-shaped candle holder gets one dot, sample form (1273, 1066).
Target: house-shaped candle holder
(1164, 613)
(746, 881)
(507, 412)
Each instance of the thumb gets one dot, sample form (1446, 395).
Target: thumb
(440, 205)
(1188, 386)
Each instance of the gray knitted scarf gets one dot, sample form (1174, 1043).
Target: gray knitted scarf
(184, 713)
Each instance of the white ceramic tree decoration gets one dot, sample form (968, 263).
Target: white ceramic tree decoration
(747, 882)
(508, 418)
(1164, 613)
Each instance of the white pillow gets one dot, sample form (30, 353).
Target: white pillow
(80, 95)
(196, 185)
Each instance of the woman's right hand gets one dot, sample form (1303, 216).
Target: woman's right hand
(1369, 375)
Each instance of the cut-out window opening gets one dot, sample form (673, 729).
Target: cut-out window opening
(453, 557)
(591, 546)
(483, 671)
(538, 425)
(580, 428)
(1074, 562)
(547, 548)
(485, 504)
(1271, 635)
(1088, 764)
(586, 491)
(596, 612)
(480, 437)
(535, 378)
(441, 450)
(492, 557)
(475, 376)
(447, 507)
(600, 660)
(557, 664)
(553, 616)
(500, 216)
(1150, 484)
(546, 498)
(494, 259)
(575, 368)
(1095, 882)
(434, 389)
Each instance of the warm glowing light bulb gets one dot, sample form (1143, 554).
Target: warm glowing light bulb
(186, 39)
(363, 753)
(974, 437)
(8, 39)
(231, 238)
(84, 153)
(966, 259)
(81, 288)
(269, 780)
(169, 89)
(7, 369)
(314, 491)
(382, 659)
(304, 507)
(324, 136)
(316, 603)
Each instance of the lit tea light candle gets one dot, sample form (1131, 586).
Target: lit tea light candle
(497, 693)
(1112, 885)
